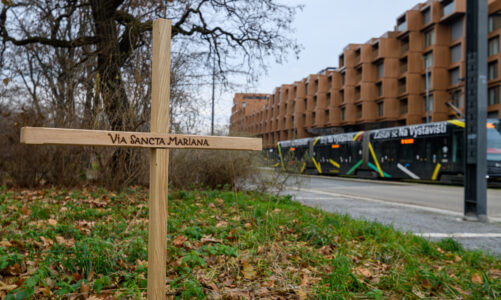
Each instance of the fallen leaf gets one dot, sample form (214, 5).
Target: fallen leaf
(457, 258)
(364, 272)
(476, 278)
(301, 294)
(179, 240)
(52, 222)
(76, 277)
(248, 271)
(426, 284)
(25, 210)
(221, 224)
(84, 289)
(5, 244)
(46, 242)
(46, 291)
(495, 273)
(209, 239)
(231, 234)
(248, 225)
(7, 287)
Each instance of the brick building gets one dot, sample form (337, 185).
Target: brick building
(381, 83)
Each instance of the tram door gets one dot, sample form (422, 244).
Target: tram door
(457, 155)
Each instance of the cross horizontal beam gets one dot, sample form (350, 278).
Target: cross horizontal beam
(81, 137)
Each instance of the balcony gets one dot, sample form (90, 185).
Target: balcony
(375, 53)
(448, 8)
(357, 94)
(404, 48)
(357, 59)
(403, 68)
(402, 27)
(402, 87)
(358, 78)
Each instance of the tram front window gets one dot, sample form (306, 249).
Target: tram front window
(494, 141)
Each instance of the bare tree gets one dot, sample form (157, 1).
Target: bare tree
(90, 60)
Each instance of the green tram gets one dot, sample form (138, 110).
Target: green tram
(432, 151)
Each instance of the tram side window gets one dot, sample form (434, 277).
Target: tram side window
(406, 152)
(457, 147)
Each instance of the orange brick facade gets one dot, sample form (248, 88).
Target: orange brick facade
(380, 83)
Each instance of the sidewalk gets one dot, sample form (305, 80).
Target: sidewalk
(430, 223)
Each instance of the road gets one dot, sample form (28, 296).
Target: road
(429, 210)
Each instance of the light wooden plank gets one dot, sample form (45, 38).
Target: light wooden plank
(159, 161)
(81, 137)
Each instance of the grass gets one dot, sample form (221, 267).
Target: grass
(91, 243)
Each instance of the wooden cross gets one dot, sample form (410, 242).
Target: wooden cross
(159, 140)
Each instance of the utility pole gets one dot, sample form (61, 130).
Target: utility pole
(475, 183)
(213, 92)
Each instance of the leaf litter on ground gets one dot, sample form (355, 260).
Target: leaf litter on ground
(92, 244)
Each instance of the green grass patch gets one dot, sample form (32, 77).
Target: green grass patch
(58, 243)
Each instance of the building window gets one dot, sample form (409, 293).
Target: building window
(313, 116)
(329, 81)
(404, 45)
(244, 104)
(427, 15)
(359, 111)
(343, 114)
(379, 87)
(375, 50)
(448, 8)
(494, 46)
(494, 21)
(428, 84)
(401, 86)
(342, 78)
(403, 65)
(359, 74)
(430, 103)
(403, 106)
(493, 70)
(429, 38)
(341, 61)
(357, 92)
(402, 24)
(494, 95)
(341, 94)
(380, 109)
(456, 53)
(380, 70)
(454, 75)
(457, 98)
(327, 116)
(314, 101)
(428, 59)
(456, 30)
(328, 100)
(306, 89)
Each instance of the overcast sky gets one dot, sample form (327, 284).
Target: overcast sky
(324, 28)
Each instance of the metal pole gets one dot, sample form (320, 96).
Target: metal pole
(475, 183)
(213, 92)
(427, 105)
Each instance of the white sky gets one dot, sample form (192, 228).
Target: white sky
(324, 28)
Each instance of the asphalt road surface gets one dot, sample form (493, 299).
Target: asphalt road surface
(432, 211)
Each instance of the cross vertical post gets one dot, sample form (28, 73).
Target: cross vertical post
(159, 161)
